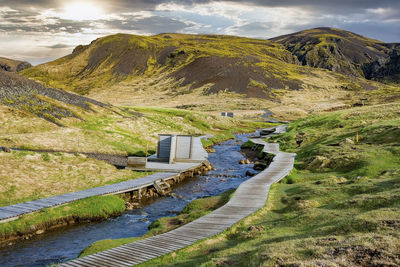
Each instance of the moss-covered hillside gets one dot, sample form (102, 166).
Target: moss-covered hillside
(218, 73)
(227, 62)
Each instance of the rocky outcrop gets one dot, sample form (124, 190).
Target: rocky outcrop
(386, 68)
(11, 65)
(344, 52)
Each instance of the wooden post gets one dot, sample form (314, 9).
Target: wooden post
(357, 137)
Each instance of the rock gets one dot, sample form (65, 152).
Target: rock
(247, 161)
(223, 180)
(179, 196)
(241, 161)
(256, 229)
(299, 142)
(347, 141)
(172, 194)
(249, 173)
(39, 232)
(129, 206)
(259, 166)
(6, 149)
(319, 162)
(211, 150)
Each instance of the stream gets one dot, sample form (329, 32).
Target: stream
(65, 244)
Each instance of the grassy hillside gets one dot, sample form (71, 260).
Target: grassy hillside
(210, 73)
(340, 207)
(210, 59)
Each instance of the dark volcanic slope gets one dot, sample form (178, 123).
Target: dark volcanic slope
(334, 49)
(22, 93)
(13, 65)
(387, 69)
(231, 73)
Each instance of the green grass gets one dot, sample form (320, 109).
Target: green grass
(195, 209)
(345, 212)
(93, 208)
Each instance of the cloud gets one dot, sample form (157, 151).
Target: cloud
(146, 24)
(28, 27)
(58, 46)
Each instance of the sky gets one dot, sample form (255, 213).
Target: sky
(38, 31)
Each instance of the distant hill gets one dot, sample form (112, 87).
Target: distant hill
(7, 64)
(229, 63)
(338, 50)
(218, 72)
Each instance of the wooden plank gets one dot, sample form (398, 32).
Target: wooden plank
(134, 255)
(245, 201)
(126, 258)
(80, 263)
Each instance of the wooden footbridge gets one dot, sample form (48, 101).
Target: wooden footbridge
(250, 196)
(169, 171)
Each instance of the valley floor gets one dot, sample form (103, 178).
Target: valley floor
(340, 207)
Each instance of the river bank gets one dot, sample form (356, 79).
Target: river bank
(89, 210)
(62, 244)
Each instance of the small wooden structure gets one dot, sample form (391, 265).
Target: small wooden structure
(227, 114)
(175, 148)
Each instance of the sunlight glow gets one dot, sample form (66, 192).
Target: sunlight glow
(81, 11)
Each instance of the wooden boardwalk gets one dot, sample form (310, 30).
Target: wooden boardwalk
(9, 213)
(250, 196)
(12, 212)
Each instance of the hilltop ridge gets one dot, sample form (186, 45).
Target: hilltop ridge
(338, 50)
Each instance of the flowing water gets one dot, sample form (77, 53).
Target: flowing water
(65, 244)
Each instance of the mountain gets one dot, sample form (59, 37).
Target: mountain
(226, 62)
(337, 50)
(213, 73)
(7, 64)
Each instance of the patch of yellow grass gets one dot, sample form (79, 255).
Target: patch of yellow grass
(25, 176)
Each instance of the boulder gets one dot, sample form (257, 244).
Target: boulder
(241, 161)
(6, 149)
(39, 232)
(347, 141)
(249, 173)
(319, 162)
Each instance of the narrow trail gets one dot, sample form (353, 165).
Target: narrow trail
(250, 196)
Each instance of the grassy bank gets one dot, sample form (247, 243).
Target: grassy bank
(41, 175)
(340, 207)
(86, 210)
(195, 209)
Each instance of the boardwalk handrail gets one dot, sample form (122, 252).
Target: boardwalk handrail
(249, 197)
